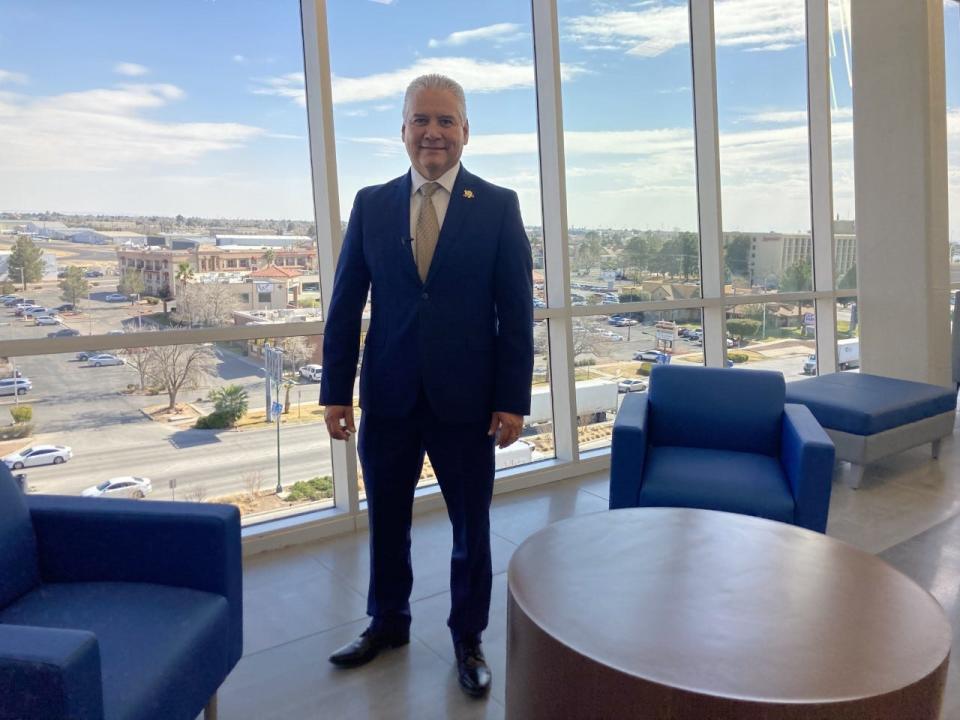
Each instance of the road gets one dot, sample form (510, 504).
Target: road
(88, 409)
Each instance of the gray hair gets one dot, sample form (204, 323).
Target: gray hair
(436, 81)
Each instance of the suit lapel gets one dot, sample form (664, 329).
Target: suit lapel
(457, 211)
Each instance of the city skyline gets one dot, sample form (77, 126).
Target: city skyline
(123, 121)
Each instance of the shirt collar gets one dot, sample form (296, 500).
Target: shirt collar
(446, 180)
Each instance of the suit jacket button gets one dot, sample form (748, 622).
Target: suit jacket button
(425, 296)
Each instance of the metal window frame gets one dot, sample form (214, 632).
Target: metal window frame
(569, 462)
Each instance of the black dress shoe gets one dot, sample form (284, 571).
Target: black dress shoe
(365, 648)
(472, 670)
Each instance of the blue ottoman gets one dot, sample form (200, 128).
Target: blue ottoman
(869, 417)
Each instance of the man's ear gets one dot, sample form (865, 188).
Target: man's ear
(466, 131)
(403, 132)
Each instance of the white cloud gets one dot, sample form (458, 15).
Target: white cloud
(476, 76)
(8, 76)
(500, 32)
(290, 86)
(130, 69)
(779, 116)
(102, 130)
(657, 28)
(384, 2)
(239, 58)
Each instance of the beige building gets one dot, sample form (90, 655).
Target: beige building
(159, 265)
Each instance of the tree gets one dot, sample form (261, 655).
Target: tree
(184, 273)
(688, 261)
(796, 278)
(743, 328)
(25, 262)
(132, 282)
(736, 256)
(588, 252)
(269, 257)
(636, 254)
(849, 279)
(140, 359)
(7, 287)
(177, 367)
(74, 286)
(210, 304)
(231, 401)
(296, 349)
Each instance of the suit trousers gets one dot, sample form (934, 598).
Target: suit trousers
(391, 454)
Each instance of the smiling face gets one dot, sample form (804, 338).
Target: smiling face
(434, 132)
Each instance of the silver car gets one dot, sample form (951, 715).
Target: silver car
(15, 386)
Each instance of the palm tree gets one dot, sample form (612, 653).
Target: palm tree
(184, 272)
(269, 257)
(231, 401)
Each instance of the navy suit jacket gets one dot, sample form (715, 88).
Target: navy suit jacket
(465, 335)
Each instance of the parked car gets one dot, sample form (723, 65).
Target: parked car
(127, 487)
(93, 273)
(38, 455)
(15, 386)
(630, 385)
(104, 359)
(116, 297)
(648, 355)
(46, 320)
(66, 307)
(311, 372)
(84, 354)
(63, 332)
(23, 309)
(11, 302)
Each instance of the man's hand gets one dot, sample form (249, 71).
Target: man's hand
(509, 426)
(339, 420)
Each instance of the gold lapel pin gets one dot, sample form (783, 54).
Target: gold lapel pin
(468, 194)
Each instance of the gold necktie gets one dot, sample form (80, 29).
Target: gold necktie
(428, 230)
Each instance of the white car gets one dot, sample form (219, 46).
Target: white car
(104, 359)
(127, 486)
(15, 386)
(38, 455)
(630, 385)
(47, 320)
(311, 372)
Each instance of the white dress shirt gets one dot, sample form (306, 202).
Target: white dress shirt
(441, 199)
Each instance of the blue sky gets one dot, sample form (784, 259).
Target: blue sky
(197, 106)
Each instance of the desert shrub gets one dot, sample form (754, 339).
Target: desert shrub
(644, 369)
(214, 421)
(737, 357)
(317, 488)
(21, 413)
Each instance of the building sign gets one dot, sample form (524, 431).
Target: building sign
(666, 331)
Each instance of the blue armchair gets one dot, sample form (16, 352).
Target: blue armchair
(115, 609)
(720, 439)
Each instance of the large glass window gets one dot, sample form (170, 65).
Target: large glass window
(486, 47)
(614, 354)
(951, 29)
(764, 149)
(188, 422)
(629, 145)
(773, 336)
(848, 334)
(841, 118)
(156, 183)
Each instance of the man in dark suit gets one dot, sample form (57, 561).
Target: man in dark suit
(447, 364)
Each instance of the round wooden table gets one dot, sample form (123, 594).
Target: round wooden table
(660, 613)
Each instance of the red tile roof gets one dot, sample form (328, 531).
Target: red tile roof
(272, 271)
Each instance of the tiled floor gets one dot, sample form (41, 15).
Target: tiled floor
(302, 603)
